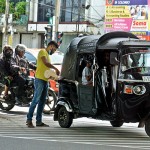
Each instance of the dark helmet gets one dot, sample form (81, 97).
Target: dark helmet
(20, 48)
(7, 51)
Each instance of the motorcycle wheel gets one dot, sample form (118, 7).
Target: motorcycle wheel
(116, 123)
(147, 127)
(65, 118)
(4, 105)
(50, 102)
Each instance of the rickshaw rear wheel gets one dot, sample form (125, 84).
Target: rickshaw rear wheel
(147, 127)
(116, 123)
(65, 118)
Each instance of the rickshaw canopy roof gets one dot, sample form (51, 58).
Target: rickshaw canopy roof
(90, 44)
(111, 40)
(135, 43)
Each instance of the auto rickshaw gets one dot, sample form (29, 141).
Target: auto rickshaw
(120, 92)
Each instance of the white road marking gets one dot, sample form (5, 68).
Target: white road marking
(83, 131)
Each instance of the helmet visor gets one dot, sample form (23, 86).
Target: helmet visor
(8, 52)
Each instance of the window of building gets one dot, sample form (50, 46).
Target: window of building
(46, 9)
(71, 10)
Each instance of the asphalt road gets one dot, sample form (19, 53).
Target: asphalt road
(84, 134)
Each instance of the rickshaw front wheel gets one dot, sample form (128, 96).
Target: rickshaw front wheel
(65, 118)
(116, 123)
(147, 127)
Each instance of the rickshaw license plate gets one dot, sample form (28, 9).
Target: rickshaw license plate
(146, 78)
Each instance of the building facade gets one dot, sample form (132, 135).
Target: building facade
(76, 17)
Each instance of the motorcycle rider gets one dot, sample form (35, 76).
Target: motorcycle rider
(20, 58)
(5, 60)
(10, 69)
(21, 62)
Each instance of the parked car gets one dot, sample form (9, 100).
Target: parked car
(56, 60)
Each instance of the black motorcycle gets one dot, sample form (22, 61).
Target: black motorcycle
(7, 103)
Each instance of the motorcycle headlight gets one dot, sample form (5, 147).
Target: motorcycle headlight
(139, 90)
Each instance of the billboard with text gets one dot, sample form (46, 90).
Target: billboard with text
(128, 15)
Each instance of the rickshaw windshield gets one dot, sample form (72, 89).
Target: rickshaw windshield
(136, 60)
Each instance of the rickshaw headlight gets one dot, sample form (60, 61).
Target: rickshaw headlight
(139, 90)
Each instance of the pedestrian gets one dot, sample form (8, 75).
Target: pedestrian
(41, 84)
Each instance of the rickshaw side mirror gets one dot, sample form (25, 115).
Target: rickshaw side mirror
(113, 58)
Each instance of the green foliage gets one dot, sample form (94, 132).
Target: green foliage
(2, 6)
(17, 10)
(11, 8)
(20, 9)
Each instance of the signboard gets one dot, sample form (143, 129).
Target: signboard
(128, 15)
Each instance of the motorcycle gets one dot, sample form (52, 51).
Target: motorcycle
(7, 103)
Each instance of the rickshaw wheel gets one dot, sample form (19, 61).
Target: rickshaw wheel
(147, 127)
(65, 118)
(116, 123)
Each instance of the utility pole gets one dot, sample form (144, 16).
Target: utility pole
(57, 14)
(79, 11)
(6, 23)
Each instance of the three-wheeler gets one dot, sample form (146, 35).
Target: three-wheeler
(120, 90)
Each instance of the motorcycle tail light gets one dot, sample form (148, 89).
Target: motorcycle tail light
(139, 90)
(128, 89)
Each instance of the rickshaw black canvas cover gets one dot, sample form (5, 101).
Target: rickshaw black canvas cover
(112, 39)
(78, 45)
(89, 44)
(119, 92)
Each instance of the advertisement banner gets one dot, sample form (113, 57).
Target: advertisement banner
(128, 15)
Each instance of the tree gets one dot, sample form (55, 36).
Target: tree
(17, 10)
(20, 9)
(2, 6)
